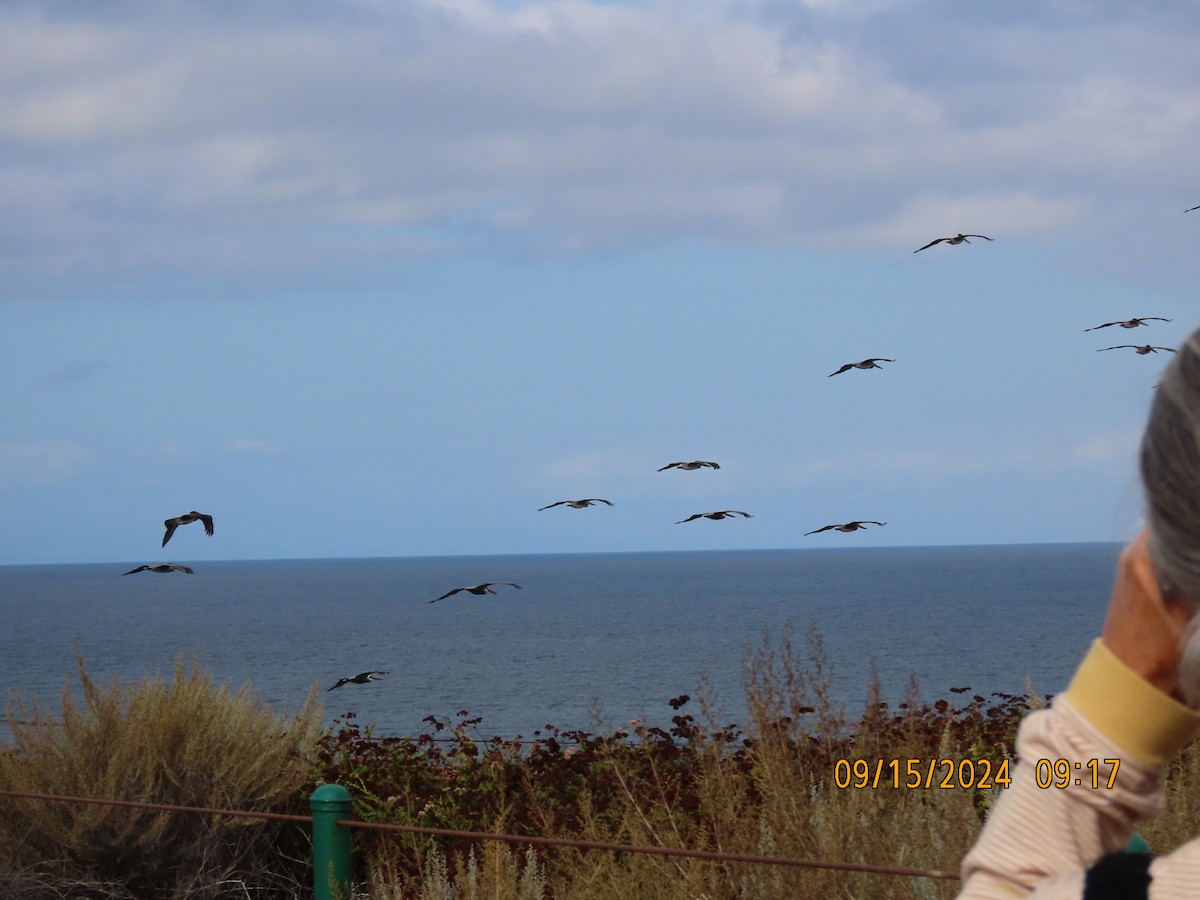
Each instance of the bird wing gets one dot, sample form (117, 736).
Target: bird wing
(711, 464)
(138, 569)
(930, 244)
(984, 236)
(1168, 349)
(879, 359)
(445, 595)
(598, 500)
(208, 526)
(559, 503)
(868, 522)
(668, 466)
(179, 568)
(1105, 325)
(340, 682)
(509, 583)
(819, 530)
(171, 525)
(843, 368)
(739, 512)
(689, 518)
(1117, 347)
(1155, 318)
(1193, 208)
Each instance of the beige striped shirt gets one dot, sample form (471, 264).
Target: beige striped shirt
(1039, 841)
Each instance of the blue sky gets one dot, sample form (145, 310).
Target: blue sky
(380, 279)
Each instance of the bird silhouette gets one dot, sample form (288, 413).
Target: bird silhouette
(360, 678)
(1129, 323)
(1192, 208)
(865, 364)
(186, 519)
(719, 514)
(478, 589)
(689, 466)
(577, 504)
(847, 526)
(161, 568)
(957, 239)
(1140, 349)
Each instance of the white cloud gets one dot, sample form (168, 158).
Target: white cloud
(251, 445)
(927, 216)
(74, 372)
(1104, 451)
(41, 461)
(171, 449)
(253, 136)
(591, 465)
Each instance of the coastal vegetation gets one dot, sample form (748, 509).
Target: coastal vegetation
(800, 779)
(182, 741)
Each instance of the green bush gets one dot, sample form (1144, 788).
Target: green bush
(185, 741)
(767, 787)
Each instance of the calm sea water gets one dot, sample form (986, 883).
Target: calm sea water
(591, 639)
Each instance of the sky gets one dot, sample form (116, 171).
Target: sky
(364, 278)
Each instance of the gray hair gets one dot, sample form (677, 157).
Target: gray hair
(1170, 469)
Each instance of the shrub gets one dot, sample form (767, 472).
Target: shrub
(185, 741)
(765, 788)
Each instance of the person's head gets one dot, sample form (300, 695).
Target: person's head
(1170, 470)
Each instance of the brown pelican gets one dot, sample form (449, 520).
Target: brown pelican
(160, 567)
(848, 526)
(185, 519)
(689, 466)
(360, 678)
(957, 239)
(1130, 323)
(577, 504)
(478, 590)
(1140, 349)
(1193, 208)
(865, 364)
(719, 514)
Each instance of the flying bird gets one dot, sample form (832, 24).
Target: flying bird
(1130, 323)
(848, 526)
(1140, 349)
(865, 364)
(1193, 208)
(478, 590)
(719, 514)
(689, 466)
(186, 519)
(957, 239)
(360, 678)
(161, 568)
(577, 504)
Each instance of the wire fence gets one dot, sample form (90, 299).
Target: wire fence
(335, 800)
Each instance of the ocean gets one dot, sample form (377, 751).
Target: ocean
(590, 641)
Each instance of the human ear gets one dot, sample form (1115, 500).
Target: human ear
(1143, 628)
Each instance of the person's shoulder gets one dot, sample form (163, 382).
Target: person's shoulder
(1177, 874)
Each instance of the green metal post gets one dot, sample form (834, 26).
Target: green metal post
(331, 843)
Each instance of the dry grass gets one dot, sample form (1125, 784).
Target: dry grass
(184, 741)
(766, 790)
(1180, 821)
(780, 800)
